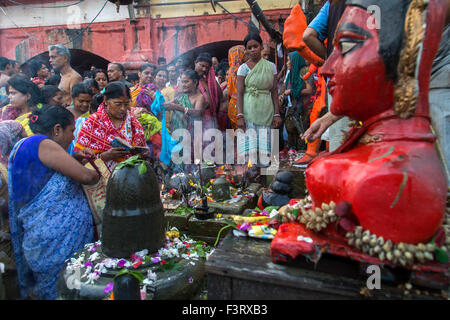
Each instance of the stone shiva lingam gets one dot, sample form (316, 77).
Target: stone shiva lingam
(221, 189)
(380, 197)
(280, 190)
(134, 211)
(134, 242)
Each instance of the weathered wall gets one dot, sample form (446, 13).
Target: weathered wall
(166, 31)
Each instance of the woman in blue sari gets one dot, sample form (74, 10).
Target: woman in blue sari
(49, 215)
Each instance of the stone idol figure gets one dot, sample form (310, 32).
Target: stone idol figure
(380, 197)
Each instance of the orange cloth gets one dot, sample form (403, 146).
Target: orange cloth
(320, 101)
(294, 27)
(312, 148)
(312, 68)
(235, 57)
(134, 93)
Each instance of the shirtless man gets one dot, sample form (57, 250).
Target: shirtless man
(59, 57)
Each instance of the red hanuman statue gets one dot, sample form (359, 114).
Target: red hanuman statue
(380, 197)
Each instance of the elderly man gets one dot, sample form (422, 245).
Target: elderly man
(59, 57)
(116, 72)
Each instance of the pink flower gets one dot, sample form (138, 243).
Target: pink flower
(156, 260)
(88, 264)
(245, 227)
(109, 287)
(121, 263)
(134, 257)
(191, 280)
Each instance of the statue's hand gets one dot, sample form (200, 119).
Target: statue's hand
(319, 126)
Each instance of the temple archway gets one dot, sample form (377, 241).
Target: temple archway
(81, 61)
(217, 49)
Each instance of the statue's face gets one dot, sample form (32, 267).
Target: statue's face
(357, 79)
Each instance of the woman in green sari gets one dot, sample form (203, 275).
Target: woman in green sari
(189, 105)
(187, 108)
(257, 101)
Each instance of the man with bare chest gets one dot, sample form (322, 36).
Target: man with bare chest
(59, 57)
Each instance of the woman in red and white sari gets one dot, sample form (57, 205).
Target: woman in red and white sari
(112, 120)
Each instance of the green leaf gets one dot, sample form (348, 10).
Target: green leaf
(201, 253)
(441, 255)
(138, 276)
(270, 208)
(294, 213)
(169, 265)
(142, 168)
(122, 272)
(183, 211)
(120, 166)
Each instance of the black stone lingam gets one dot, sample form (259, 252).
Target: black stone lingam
(279, 193)
(221, 189)
(133, 220)
(133, 217)
(203, 211)
(206, 173)
(126, 287)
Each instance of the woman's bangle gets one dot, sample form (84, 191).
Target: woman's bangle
(186, 110)
(240, 115)
(277, 115)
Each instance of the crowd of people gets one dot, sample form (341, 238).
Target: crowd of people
(69, 119)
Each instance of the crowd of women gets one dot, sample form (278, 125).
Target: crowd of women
(46, 144)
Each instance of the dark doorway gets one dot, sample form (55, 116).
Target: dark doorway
(215, 49)
(81, 61)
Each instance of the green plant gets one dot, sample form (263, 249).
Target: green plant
(131, 162)
(139, 276)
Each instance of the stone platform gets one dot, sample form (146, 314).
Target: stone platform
(241, 268)
(200, 230)
(184, 282)
(207, 230)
